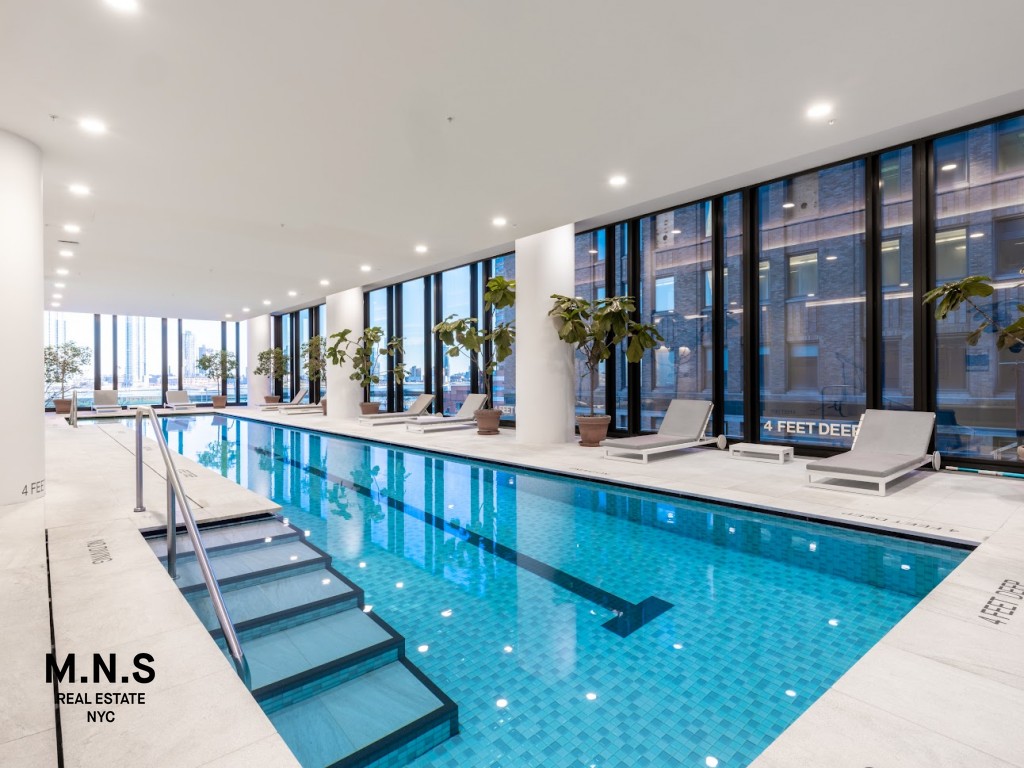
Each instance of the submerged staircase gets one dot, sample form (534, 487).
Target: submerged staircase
(333, 678)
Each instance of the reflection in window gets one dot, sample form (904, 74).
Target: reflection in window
(198, 338)
(379, 319)
(139, 352)
(803, 275)
(815, 251)
(1009, 234)
(413, 327)
(897, 260)
(675, 261)
(803, 366)
(590, 254)
(504, 381)
(950, 254)
(733, 297)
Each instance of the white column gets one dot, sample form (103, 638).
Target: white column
(21, 319)
(344, 310)
(545, 264)
(257, 330)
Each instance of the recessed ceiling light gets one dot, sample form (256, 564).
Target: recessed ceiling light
(325, 282)
(79, 189)
(617, 181)
(58, 295)
(62, 272)
(66, 253)
(245, 309)
(499, 221)
(421, 248)
(92, 125)
(72, 228)
(949, 167)
(820, 109)
(266, 302)
(677, 231)
(787, 206)
(58, 285)
(365, 268)
(227, 315)
(54, 303)
(293, 293)
(125, 6)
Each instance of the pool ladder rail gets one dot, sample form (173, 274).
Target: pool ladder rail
(176, 498)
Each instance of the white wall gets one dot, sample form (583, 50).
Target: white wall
(545, 264)
(344, 310)
(258, 335)
(21, 319)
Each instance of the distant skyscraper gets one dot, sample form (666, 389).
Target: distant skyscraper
(188, 353)
(135, 352)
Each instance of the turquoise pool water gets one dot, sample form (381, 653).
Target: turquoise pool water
(576, 623)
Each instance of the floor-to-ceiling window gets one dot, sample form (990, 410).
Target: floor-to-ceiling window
(676, 296)
(979, 230)
(139, 356)
(733, 303)
(504, 379)
(591, 253)
(812, 319)
(414, 338)
(174, 381)
(895, 272)
(105, 358)
(455, 300)
(378, 317)
(304, 334)
(198, 338)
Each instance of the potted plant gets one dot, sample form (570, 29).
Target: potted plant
(272, 362)
(594, 328)
(314, 363)
(218, 366)
(463, 336)
(61, 363)
(365, 353)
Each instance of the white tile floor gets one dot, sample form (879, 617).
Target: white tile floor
(944, 688)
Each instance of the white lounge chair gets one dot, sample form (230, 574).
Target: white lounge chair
(295, 402)
(178, 399)
(888, 445)
(684, 426)
(464, 418)
(105, 401)
(418, 408)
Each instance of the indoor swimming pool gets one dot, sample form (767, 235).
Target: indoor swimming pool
(577, 623)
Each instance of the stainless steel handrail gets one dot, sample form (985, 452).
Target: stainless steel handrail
(175, 492)
(73, 419)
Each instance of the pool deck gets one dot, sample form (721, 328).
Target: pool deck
(943, 688)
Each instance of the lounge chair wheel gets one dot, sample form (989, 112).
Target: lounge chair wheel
(936, 461)
(722, 443)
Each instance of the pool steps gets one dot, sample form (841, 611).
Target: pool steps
(333, 679)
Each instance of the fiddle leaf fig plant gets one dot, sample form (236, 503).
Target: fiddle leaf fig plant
(969, 290)
(594, 328)
(314, 358)
(365, 354)
(218, 366)
(63, 362)
(273, 363)
(463, 335)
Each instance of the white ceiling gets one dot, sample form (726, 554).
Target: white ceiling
(258, 146)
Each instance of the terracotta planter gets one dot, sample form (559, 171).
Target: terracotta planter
(323, 405)
(62, 406)
(487, 421)
(593, 429)
(220, 401)
(272, 398)
(369, 408)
